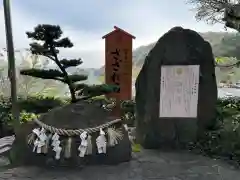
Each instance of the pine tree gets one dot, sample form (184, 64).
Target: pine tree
(48, 40)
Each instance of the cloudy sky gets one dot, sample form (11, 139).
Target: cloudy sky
(86, 21)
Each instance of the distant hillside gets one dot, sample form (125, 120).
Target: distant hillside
(223, 44)
(140, 53)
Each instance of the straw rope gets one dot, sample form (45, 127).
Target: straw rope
(74, 132)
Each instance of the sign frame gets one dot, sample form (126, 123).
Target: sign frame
(179, 91)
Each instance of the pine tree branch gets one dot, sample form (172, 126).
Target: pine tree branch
(75, 78)
(64, 42)
(43, 50)
(45, 32)
(98, 90)
(37, 48)
(42, 73)
(70, 63)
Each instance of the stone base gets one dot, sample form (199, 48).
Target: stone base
(167, 133)
(21, 153)
(81, 115)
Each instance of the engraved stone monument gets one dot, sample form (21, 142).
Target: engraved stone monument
(176, 90)
(179, 91)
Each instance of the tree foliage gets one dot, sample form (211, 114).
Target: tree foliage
(219, 11)
(216, 11)
(211, 11)
(47, 41)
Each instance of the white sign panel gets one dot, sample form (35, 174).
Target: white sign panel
(179, 91)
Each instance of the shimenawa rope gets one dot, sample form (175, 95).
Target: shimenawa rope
(74, 132)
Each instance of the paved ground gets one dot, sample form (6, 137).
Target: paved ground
(147, 165)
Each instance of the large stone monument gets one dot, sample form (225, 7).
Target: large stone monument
(176, 90)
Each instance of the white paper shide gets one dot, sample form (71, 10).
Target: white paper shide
(179, 91)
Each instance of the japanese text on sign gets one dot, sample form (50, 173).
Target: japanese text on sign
(179, 91)
(115, 76)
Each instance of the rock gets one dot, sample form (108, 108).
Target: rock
(80, 115)
(177, 47)
(4, 161)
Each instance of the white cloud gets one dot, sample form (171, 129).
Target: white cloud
(143, 21)
(86, 45)
(149, 21)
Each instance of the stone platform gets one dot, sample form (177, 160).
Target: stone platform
(146, 165)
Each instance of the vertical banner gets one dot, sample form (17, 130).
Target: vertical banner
(118, 63)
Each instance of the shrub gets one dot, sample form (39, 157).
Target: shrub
(24, 117)
(29, 107)
(40, 104)
(128, 106)
(128, 110)
(34, 104)
(223, 139)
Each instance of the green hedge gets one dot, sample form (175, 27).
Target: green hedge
(34, 104)
(40, 104)
(29, 108)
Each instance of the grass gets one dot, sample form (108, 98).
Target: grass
(136, 148)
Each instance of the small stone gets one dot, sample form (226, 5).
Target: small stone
(4, 161)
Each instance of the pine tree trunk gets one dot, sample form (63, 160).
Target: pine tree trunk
(72, 92)
(68, 81)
